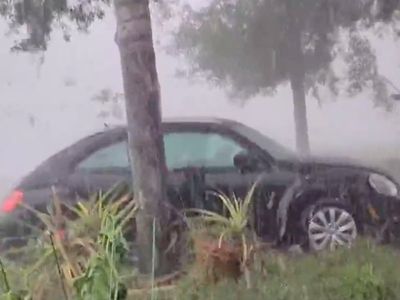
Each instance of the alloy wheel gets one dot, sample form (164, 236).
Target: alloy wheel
(331, 227)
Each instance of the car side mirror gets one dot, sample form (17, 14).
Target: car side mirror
(245, 161)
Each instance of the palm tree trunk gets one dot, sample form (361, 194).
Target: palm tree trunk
(142, 97)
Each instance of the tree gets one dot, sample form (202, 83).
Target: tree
(142, 96)
(362, 70)
(40, 17)
(252, 46)
(142, 99)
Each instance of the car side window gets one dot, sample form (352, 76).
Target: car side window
(112, 156)
(198, 149)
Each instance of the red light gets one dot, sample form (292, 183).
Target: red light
(12, 202)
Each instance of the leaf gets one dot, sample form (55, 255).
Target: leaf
(238, 209)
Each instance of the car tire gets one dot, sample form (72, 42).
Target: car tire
(328, 226)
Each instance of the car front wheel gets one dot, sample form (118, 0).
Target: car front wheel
(330, 227)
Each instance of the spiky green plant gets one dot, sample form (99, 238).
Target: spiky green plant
(233, 224)
(92, 246)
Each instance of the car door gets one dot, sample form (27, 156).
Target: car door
(101, 169)
(210, 152)
(108, 164)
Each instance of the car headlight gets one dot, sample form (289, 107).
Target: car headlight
(382, 185)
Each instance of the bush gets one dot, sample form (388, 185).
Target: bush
(76, 258)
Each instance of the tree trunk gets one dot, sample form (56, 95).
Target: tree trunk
(142, 97)
(300, 116)
(296, 71)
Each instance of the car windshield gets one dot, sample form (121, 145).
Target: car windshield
(276, 150)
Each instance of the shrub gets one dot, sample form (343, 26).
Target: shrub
(80, 256)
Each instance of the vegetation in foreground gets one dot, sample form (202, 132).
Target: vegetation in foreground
(90, 260)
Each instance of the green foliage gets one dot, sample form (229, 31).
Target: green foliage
(232, 224)
(42, 16)
(234, 45)
(100, 281)
(101, 278)
(14, 296)
(8, 293)
(362, 71)
(363, 284)
(364, 272)
(235, 221)
(84, 260)
(245, 45)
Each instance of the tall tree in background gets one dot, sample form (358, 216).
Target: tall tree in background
(142, 98)
(253, 46)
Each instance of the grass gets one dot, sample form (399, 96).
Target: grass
(91, 264)
(364, 272)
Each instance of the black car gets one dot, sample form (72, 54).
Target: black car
(318, 204)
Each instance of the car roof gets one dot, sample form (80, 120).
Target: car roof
(213, 120)
(176, 121)
(189, 120)
(121, 129)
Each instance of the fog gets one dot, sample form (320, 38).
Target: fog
(46, 102)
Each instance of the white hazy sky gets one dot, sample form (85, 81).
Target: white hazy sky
(57, 97)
